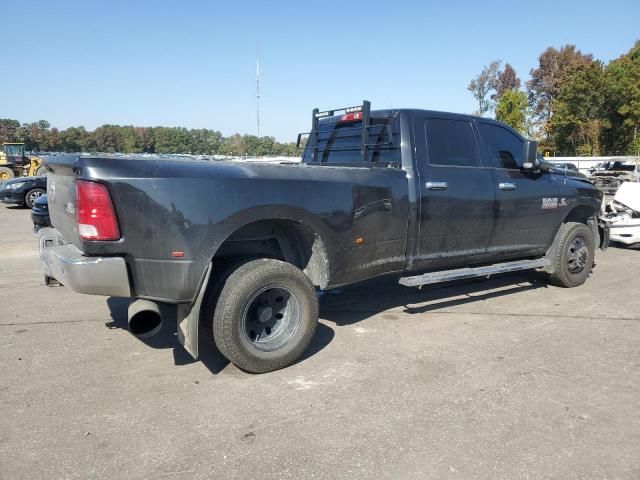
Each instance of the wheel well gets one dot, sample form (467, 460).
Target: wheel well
(285, 240)
(581, 214)
(588, 216)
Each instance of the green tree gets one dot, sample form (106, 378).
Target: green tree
(130, 139)
(623, 102)
(481, 86)
(578, 120)
(35, 135)
(131, 142)
(234, 145)
(512, 109)
(54, 142)
(507, 80)
(163, 140)
(73, 139)
(108, 138)
(554, 66)
(9, 130)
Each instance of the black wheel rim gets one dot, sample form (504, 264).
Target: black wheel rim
(271, 318)
(577, 255)
(33, 196)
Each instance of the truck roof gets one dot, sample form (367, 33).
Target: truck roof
(392, 112)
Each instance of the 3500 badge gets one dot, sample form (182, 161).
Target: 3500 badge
(553, 202)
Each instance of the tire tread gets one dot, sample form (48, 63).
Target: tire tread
(561, 277)
(238, 285)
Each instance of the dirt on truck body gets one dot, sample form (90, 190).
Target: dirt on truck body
(242, 247)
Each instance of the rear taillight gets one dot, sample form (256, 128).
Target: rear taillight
(96, 217)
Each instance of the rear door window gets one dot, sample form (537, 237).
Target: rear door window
(451, 143)
(504, 147)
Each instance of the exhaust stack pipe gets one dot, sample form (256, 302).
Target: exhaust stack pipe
(144, 318)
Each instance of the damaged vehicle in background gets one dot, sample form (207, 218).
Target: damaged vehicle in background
(623, 215)
(610, 175)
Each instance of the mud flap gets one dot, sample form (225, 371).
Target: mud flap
(551, 252)
(604, 231)
(189, 318)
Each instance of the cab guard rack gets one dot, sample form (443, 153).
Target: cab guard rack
(351, 114)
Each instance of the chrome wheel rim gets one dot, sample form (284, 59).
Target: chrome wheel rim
(33, 196)
(577, 255)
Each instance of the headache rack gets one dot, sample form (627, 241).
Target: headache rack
(360, 113)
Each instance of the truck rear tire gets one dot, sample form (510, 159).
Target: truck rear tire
(574, 256)
(266, 315)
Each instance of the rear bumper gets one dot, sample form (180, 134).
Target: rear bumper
(91, 275)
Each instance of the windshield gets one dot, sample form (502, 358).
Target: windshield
(14, 150)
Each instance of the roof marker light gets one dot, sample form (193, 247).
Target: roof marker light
(350, 117)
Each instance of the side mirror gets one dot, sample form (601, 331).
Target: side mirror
(303, 139)
(530, 155)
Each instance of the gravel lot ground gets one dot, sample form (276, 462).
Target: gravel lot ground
(501, 379)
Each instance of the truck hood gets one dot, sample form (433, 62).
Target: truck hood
(570, 173)
(628, 194)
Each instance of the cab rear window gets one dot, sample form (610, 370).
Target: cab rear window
(341, 143)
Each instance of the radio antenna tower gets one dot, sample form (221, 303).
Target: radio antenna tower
(258, 86)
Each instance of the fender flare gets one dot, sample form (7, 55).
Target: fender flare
(188, 314)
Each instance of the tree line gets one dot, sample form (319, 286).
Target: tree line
(572, 104)
(41, 137)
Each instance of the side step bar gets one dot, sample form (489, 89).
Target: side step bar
(462, 273)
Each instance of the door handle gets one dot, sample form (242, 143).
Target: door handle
(436, 185)
(507, 186)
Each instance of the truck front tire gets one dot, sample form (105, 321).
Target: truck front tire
(266, 315)
(574, 256)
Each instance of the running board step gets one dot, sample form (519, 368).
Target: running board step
(462, 273)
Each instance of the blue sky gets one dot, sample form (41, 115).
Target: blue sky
(192, 63)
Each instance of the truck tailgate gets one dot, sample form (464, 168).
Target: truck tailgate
(61, 196)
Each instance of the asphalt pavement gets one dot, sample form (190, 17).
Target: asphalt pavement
(507, 378)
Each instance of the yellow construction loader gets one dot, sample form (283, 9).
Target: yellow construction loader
(14, 162)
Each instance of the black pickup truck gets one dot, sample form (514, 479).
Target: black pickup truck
(242, 247)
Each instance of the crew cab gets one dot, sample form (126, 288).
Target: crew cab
(243, 247)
